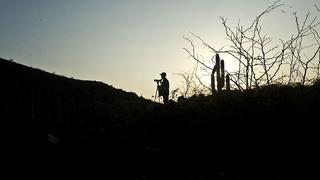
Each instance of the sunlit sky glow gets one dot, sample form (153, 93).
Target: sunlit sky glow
(124, 43)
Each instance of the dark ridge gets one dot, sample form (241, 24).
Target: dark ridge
(55, 122)
(58, 124)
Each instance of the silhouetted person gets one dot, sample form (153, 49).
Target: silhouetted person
(163, 88)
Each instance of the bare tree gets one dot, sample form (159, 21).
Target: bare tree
(187, 78)
(261, 60)
(193, 84)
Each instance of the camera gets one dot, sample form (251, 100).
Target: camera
(157, 80)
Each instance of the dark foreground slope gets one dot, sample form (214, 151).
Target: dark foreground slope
(58, 124)
(271, 132)
(42, 103)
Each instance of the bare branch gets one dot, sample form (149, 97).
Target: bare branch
(192, 54)
(262, 60)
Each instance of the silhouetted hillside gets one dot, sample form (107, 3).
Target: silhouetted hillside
(58, 123)
(50, 119)
(261, 132)
(52, 102)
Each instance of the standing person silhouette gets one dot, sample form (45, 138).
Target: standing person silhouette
(164, 88)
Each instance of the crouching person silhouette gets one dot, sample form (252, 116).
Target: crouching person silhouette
(163, 88)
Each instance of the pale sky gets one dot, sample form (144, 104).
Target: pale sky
(123, 43)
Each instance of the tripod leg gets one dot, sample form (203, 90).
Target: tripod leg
(155, 96)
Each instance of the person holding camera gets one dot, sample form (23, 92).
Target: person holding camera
(163, 87)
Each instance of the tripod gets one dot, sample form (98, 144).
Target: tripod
(156, 94)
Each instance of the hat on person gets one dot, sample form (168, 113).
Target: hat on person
(163, 73)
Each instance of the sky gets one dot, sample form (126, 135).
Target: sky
(124, 43)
